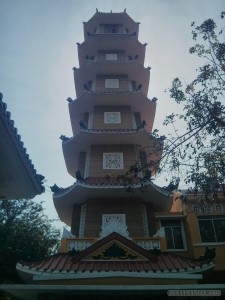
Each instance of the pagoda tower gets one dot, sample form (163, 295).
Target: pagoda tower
(112, 120)
(127, 234)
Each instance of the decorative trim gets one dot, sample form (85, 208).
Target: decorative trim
(78, 245)
(210, 244)
(162, 275)
(114, 251)
(82, 220)
(114, 223)
(87, 165)
(133, 121)
(144, 219)
(90, 121)
(206, 208)
(219, 207)
(149, 245)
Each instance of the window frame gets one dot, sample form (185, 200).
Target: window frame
(182, 233)
(210, 218)
(111, 28)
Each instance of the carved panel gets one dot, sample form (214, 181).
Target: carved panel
(114, 223)
(111, 117)
(112, 83)
(113, 161)
(78, 245)
(111, 56)
(149, 244)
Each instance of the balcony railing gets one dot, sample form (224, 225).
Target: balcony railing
(79, 244)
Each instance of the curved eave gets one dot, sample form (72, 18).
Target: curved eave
(110, 18)
(18, 178)
(85, 138)
(89, 71)
(108, 42)
(136, 100)
(80, 192)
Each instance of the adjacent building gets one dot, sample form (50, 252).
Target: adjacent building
(18, 177)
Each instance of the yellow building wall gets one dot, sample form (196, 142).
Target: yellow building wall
(197, 248)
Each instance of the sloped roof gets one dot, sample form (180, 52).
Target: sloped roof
(18, 177)
(116, 254)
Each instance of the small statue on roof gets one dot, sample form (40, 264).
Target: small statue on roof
(55, 188)
(142, 125)
(82, 125)
(64, 138)
(69, 100)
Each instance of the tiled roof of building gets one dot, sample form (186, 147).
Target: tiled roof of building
(135, 259)
(11, 142)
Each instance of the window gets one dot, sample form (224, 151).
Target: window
(112, 83)
(174, 233)
(113, 161)
(212, 229)
(111, 56)
(112, 117)
(111, 28)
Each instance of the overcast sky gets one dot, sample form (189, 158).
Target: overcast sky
(38, 51)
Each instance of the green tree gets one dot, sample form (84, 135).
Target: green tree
(194, 150)
(197, 154)
(25, 234)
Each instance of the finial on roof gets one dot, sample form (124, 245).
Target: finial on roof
(69, 100)
(96, 10)
(124, 9)
(1, 96)
(111, 11)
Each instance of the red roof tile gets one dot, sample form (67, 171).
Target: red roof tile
(83, 262)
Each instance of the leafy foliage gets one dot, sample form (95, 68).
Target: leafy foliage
(197, 154)
(194, 154)
(25, 234)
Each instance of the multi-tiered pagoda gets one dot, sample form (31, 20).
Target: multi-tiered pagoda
(127, 234)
